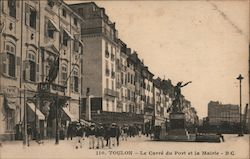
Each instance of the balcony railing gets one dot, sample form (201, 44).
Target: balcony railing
(111, 92)
(107, 71)
(50, 87)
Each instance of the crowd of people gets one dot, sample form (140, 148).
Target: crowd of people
(101, 135)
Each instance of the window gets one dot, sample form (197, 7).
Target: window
(107, 83)
(33, 18)
(75, 21)
(113, 106)
(65, 41)
(12, 8)
(107, 104)
(112, 82)
(30, 15)
(75, 80)
(32, 66)
(128, 77)
(106, 46)
(10, 65)
(64, 13)
(64, 74)
(50, 28)
(122, 79)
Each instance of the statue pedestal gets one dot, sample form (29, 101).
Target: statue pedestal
(177, 131)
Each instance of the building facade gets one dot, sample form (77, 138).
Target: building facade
(40, 66)
(219, 113)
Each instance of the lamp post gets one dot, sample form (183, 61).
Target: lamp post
(57, 131)
(240, 78)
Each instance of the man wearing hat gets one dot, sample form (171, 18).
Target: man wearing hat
(100, 135)
(91, 134)
(113, 133)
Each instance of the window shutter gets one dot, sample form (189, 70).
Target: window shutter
(17, 9)
(27, 15)
(3, 63)
(46, 33)
(18, 62)
(26, 70)
(72, 83)
(76, 46)
(5, 7)
(37, 72)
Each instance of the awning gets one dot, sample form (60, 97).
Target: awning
(84, 122)
(68, 34)
(80, 41)
(67, 112)
(52, 25)
(37, 111)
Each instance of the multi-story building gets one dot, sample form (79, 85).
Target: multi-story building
(104, 66)
(122, 69)
(40, 67)
(131, 107)
(223, 113)
(99, 65)
(158, 103)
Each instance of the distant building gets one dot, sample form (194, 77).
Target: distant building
(219, 113)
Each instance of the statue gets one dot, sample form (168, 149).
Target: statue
(177, 105)
(53, 69)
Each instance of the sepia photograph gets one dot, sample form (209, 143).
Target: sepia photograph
(164, 79)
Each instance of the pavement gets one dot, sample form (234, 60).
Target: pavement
(137, 147)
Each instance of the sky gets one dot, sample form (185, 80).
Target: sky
(205, 42)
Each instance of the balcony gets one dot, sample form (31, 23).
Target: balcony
(112, 74)
(107, 71)
(106, 53)
(50, 87)
(110, 92)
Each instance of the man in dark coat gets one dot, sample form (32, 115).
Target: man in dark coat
(100, 132)
(113, 133)
(91, 132)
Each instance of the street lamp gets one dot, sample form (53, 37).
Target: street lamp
(240, 78)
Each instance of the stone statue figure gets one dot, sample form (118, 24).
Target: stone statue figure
(177, 105)
(53, 69)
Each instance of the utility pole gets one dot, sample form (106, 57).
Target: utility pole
(25, 118)
(240, 78)
(57, 132)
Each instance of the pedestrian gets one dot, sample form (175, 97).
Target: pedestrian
(107, 135)
(70, 131)
(100, 136)
(140, 130)
(113, 133)
(125, 132)
(79, 134)
(118, 134)
(29, 133)
(91, 135)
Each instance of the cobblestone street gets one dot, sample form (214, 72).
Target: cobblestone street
(233, 147)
